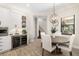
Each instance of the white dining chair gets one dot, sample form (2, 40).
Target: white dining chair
(69, 45)
(42, 34)
(47, 44)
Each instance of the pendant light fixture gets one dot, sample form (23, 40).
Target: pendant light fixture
(53, 16)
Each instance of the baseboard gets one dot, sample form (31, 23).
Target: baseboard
(76, 47)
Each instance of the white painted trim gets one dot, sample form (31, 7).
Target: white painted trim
(76, 47)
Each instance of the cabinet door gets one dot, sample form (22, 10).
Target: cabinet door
(1, 48)
(1, 44)
(15, 41)
(5, 43)
(24, 40)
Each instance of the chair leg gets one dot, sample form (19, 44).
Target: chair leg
(70, 53)
(41, 44)
(42, 52)
(55, 52)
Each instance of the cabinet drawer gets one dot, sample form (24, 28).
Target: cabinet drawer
(1, 42)
(1, 39)
(1, 48)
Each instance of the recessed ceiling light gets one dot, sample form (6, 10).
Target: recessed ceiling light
(27, 5)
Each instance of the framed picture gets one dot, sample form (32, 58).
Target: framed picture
(68, 25)
(23, 21)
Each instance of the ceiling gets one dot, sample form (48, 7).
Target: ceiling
(35, 7)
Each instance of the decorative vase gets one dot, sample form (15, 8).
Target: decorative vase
(53, 34)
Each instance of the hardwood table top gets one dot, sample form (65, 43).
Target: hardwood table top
(60, 39)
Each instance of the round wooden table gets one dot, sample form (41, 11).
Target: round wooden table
(59, 40)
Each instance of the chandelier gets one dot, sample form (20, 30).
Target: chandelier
(53, 17)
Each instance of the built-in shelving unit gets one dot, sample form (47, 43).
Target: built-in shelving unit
(19, 40)
(24, 24)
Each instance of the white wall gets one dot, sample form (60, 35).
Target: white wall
(31, 28)
(4, 17)
(10, 17)
(43, 24)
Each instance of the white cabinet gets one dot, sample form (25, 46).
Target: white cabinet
(5, 43)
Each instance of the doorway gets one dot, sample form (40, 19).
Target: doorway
(40, 26)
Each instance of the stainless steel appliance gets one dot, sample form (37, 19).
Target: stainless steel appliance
(3, 31)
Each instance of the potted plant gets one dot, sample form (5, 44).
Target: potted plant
(24, 31)
(53, 30)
